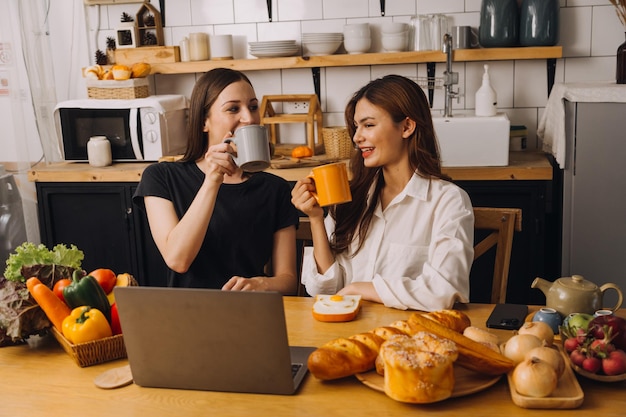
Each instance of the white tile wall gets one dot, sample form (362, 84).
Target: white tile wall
(589, 33)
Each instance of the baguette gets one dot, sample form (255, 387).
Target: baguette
(472, 355)
(345, 356)
(452, 319)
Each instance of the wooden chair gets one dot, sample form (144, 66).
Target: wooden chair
(502, 222)
(303, 238)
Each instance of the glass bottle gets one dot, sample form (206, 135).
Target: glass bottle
(499, 23)
(539, 23)
(620, 73)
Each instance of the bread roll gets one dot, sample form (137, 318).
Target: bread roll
(140, 70)
(472, 355)
(418, 369)
(481, 335)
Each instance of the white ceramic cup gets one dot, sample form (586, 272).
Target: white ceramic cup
(252, 147)
(221, 46)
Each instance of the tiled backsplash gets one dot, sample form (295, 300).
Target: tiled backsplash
(590, 33)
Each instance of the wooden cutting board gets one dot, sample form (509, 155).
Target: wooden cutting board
(286, 162)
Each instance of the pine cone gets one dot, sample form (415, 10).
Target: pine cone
(111, 43)
(101, 58)
(149, 20)
(126, 18)
(149, 38)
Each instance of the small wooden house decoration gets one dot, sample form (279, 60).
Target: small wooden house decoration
(149, 26)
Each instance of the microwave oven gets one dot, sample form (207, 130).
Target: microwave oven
(143, 129)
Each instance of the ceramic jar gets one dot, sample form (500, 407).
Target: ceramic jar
(99, 151)
(539, 23)
(499, 23)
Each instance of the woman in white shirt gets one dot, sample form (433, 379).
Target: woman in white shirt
(406, 239)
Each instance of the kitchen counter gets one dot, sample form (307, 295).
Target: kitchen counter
(60, 387)
(522, 166)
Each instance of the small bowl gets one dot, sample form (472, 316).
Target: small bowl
(395, 43)
(356, 30)
(549, 316)
(357, 45)
(394, 27)
(322, 48)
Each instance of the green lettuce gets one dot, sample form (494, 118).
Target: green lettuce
(28, 254)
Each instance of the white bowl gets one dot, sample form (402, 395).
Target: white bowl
(394, 27)
(322, 48)
(395, 43)
(357, 45)
(356, 30)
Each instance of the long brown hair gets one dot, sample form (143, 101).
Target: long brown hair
(206, 90)
(401, 98)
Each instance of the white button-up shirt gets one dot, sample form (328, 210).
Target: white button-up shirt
(418, 251)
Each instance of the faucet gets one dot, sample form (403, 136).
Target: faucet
(449, 78)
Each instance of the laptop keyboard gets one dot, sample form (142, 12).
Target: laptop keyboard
(295, 367)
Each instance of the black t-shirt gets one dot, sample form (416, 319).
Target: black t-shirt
(239, 239)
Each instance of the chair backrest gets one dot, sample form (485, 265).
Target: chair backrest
(503, 223)
(303, 238)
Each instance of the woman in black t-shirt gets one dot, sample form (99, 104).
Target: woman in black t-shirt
(215, 225)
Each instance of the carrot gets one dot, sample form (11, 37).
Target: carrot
(55, 309)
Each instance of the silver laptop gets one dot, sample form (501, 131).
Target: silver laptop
(209, 340)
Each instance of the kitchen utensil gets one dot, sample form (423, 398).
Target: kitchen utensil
(114, 378)
(549, 316)
(575, 295)
(464, 37)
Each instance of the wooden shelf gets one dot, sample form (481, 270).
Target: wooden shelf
(346, 60)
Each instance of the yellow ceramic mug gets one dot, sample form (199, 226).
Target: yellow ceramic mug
(331, 184)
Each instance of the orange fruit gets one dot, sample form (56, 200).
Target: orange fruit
(301, 152)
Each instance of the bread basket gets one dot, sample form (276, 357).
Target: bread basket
(337, 142)
(114, 89)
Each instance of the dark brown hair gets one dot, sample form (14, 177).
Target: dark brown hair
(400, 97)
(206, 90)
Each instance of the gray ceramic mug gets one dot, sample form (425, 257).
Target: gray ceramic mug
(252, 147)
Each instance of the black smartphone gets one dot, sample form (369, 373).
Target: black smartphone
(507, 316)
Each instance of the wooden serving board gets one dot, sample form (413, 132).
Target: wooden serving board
(568, 393)
(466, 382)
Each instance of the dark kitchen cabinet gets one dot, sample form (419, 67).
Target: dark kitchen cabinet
(535, 248)
(100, 219)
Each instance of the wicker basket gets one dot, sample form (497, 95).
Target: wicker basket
(94, 352)
(337, 142)
(112, 89)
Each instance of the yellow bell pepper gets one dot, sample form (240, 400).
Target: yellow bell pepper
(85, 324)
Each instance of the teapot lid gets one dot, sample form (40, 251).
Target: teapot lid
(577, 282)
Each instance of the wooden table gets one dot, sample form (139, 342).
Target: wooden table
(44, 381)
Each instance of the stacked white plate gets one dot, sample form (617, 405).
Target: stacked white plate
(321, 43)
(267, 49)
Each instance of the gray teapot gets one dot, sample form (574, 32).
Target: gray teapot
(575, 295)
